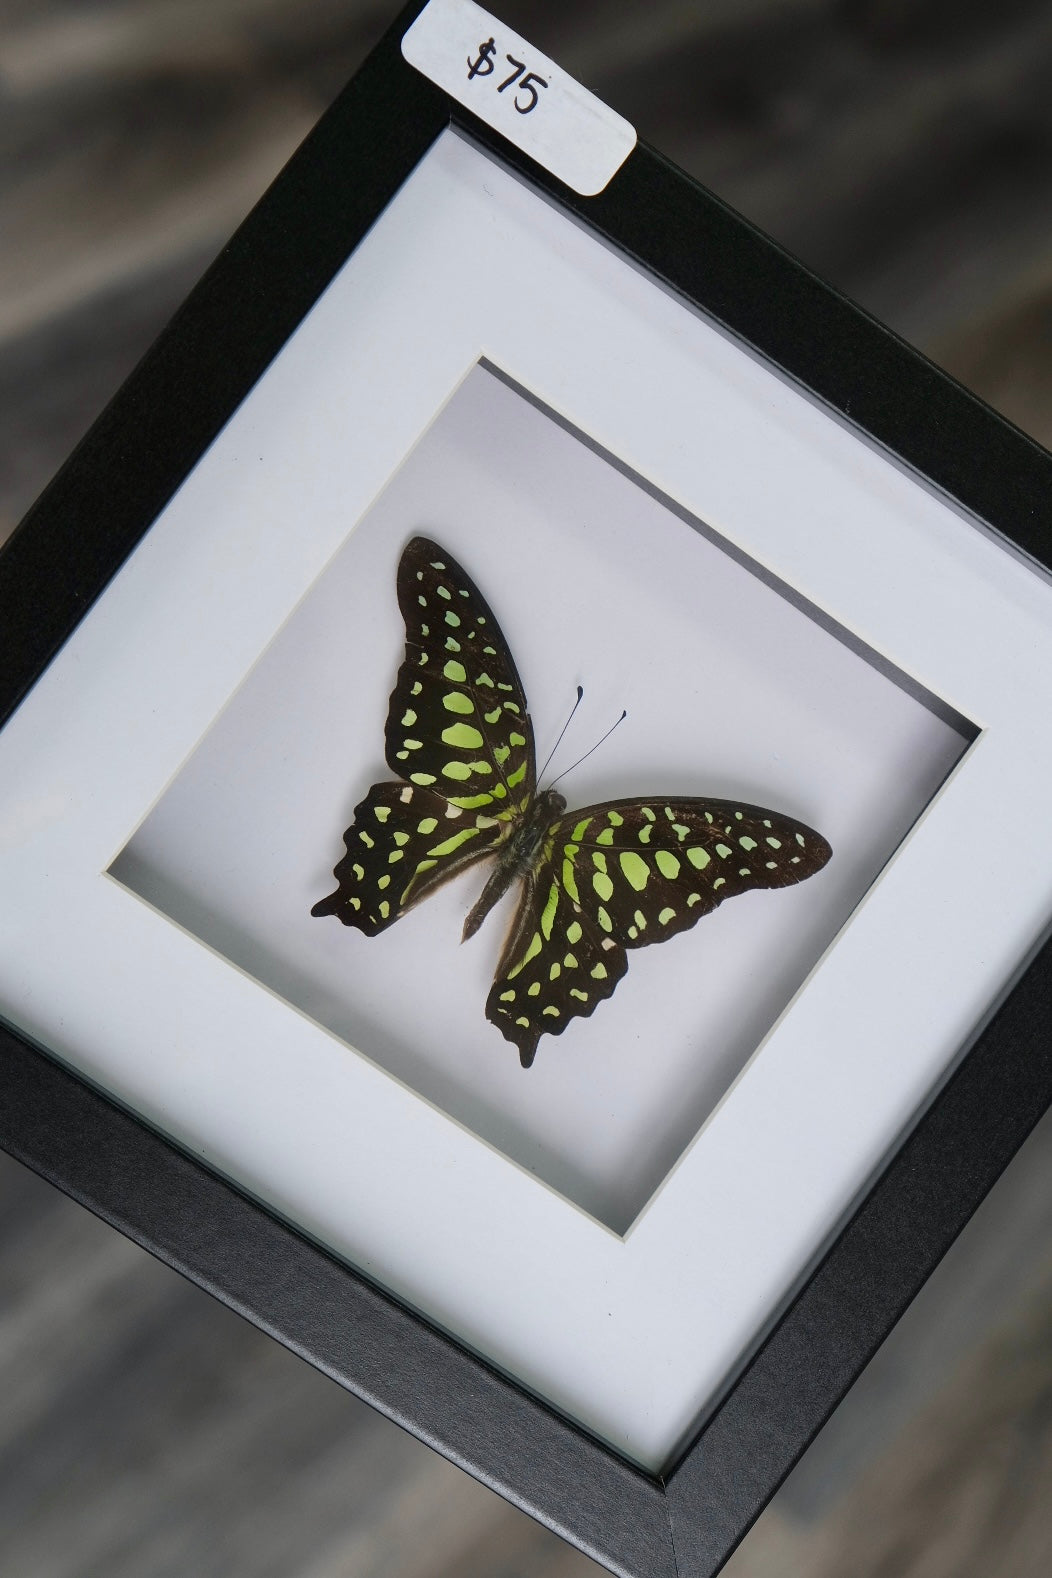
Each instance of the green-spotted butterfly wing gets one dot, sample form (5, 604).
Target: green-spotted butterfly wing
(403, 843)
(595, 882)
(457, 721)
(458, 733)
(624, 874)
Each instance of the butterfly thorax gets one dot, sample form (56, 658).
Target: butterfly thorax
(517, 856)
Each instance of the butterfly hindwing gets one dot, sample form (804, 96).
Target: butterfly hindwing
(404, 842)
(624, 874)
(457, 722)
(558, 964)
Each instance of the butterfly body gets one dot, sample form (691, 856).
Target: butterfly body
(518, 856)
(595, 883)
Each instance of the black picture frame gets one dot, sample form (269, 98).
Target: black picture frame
(91, 518)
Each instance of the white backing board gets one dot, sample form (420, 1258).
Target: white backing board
(731, 691)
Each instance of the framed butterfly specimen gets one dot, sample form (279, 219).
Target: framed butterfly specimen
(596, 882)
(221, 1083)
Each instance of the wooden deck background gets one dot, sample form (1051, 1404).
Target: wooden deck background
(903, 148)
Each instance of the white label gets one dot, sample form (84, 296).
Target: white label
(520, 93)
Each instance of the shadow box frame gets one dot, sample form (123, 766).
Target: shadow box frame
(684, 1521)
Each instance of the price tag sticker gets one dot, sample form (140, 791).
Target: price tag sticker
(520, 93)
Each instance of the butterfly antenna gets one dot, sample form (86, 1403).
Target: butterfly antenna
(586, 755)
(562, 731)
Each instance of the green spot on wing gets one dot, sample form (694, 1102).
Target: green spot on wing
(635, 869)
(531, 953)
(462, 737)
(453, 842)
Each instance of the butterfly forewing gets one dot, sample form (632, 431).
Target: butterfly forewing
(403, 843)
(646, 869)
(457, 722)
(625, 874)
